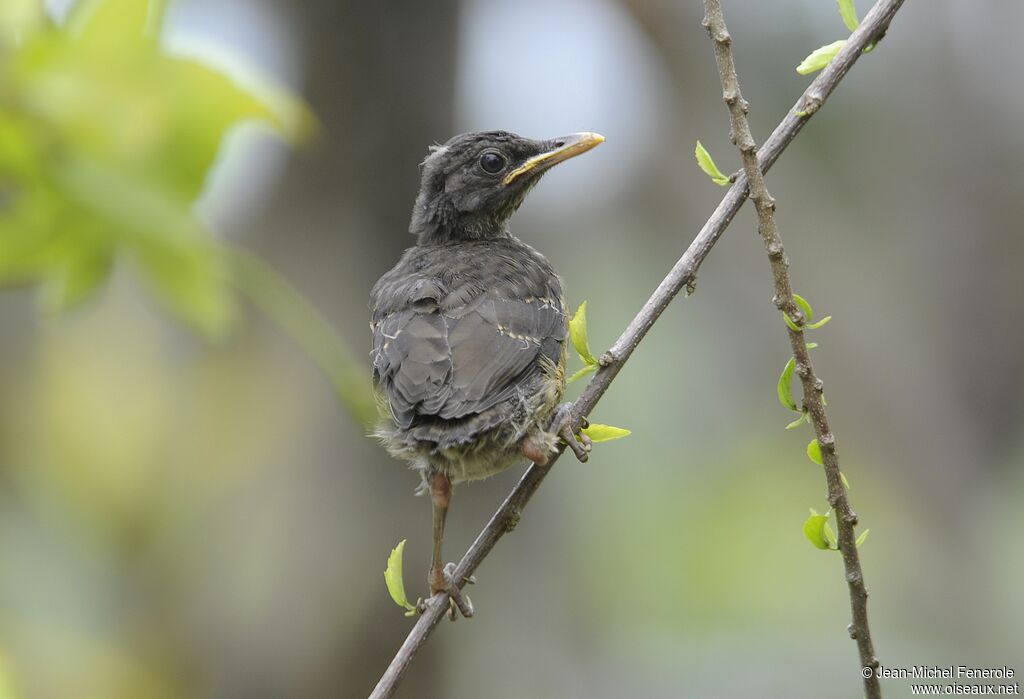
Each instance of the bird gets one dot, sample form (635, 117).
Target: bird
(470, 327)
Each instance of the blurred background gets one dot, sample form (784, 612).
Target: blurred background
(187, 508)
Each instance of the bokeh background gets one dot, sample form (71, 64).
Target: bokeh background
(185, 517)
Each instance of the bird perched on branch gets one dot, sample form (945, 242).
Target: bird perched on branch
(469, 328)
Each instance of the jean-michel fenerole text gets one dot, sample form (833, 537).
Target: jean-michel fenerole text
(953, 672)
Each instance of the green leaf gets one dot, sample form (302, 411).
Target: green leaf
(862, 538)
(805, 307)
(393, 578)
(587, 369)
(815, 326)
(799, 421)
(830, 536)
(578, 334)
(811, 345)
(785, 389)
(814, 452)
(183, 265)
(849, 14)
(842, 477)
(814, 530)
(111, 92)
(708, 166)
(604, 433)
(821, 57)
(137, 131)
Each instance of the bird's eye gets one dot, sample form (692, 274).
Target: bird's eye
(492, 162)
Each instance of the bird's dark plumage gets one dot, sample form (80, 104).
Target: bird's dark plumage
(469, 328)
(453, 337)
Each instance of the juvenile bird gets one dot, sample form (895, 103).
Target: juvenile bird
(469, 328)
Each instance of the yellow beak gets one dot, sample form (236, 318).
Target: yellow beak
(564, 148)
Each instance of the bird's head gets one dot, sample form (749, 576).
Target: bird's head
(474, 183)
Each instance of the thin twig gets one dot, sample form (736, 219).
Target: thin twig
(681, 276)
(846, 518)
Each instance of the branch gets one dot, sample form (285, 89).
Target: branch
(682, 275)
(846, 518)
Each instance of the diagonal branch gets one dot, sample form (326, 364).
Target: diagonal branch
(846, 518)
(682, 275)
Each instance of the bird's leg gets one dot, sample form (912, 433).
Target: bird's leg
(440, 577)
(533, 452)
(565, 427)
(440, 495)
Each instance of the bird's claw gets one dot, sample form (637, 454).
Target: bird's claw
(579, 443)
(458, 603)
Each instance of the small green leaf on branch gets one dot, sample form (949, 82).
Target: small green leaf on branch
(821, 57)
(785, 389)
(862, 538)
(808, 313)
(805, 417)
(587, 369)
(708, 166)
(814, 452)
(848, 11)
(393, 579)
(805, 307)
(604, 433)
(818, 532)
(578, 335)
(830, 536)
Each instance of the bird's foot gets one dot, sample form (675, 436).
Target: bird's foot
(565, 424)
(443, 582)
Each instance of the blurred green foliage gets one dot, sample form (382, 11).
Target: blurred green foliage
(105, 143)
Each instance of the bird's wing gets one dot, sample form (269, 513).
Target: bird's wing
(432, 358)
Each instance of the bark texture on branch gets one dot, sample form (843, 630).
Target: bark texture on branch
(846, 518)
(682, 275)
